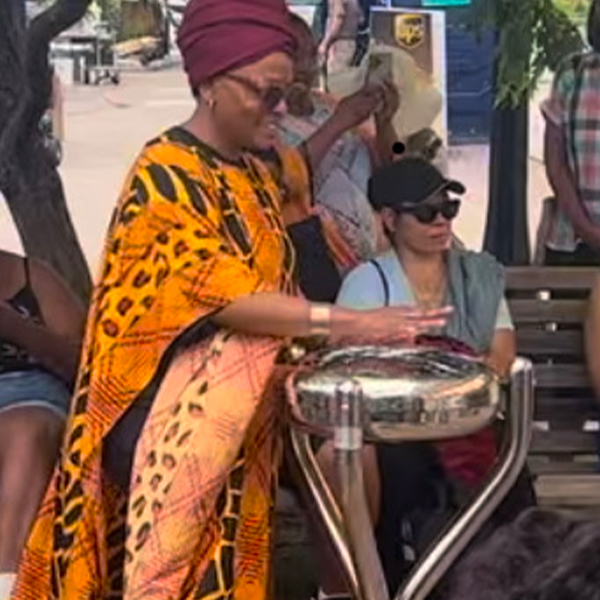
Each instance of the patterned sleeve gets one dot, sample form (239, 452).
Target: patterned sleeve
(168, 261)
(297, 182)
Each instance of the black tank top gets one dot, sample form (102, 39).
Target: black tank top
(12, 357)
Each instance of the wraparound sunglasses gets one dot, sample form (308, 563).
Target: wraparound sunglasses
(427, 213)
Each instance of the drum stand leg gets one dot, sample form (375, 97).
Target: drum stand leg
(359, 526)
(349, 524)
(448, 548)
(327, 507)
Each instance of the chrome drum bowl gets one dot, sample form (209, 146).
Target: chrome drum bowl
(409, 393)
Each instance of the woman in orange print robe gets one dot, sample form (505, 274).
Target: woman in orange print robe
(164, 487)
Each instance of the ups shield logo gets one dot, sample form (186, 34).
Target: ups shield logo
(409, 30)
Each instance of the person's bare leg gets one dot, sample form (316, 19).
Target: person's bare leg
(332, 577)
(29, 444)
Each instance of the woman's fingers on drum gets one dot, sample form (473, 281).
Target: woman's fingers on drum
(406, 336)
(428, 327)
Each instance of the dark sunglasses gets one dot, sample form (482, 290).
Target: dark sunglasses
(270, 97)
(427, 213)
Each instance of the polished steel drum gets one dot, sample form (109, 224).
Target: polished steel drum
(409, 393)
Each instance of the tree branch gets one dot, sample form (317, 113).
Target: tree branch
(28, 179)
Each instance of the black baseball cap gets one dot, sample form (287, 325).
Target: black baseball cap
(408, 182)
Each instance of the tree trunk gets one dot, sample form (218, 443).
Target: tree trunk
(507, 231)
(507, 227)
(28, 178)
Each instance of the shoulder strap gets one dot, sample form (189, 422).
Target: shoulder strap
(384, 281)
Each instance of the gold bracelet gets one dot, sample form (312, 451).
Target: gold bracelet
(320, 319)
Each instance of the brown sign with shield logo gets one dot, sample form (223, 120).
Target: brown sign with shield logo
(409, 30)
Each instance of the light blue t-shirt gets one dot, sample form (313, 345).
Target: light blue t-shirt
(363, 289)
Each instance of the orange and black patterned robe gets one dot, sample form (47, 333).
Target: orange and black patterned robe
(191, 233)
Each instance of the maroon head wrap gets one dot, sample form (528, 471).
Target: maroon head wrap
(217, 36)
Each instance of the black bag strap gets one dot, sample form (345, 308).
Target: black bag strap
(384, 281)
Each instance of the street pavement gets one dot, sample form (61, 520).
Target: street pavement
(106, 126)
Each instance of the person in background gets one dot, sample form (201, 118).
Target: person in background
(572, 151)
(165, 487)
(323, 251)
(341, 146)
(41, 325)
(337, 48)
(424, 270)
(363, 34)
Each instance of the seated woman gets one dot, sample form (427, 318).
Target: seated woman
(314, 163)
(41, 325)
(341, 144)
(424, 270)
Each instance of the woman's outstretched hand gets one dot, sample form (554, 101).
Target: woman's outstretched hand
(355, 109)
(391, 324)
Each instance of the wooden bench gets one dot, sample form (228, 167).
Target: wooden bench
(549, 306)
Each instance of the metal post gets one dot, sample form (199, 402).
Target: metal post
(326, 505)
(348, 442)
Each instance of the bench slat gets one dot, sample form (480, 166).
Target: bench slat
(569, 490)
(535, 343)
(540, 466)
(566, 410)
(564, 442)
(550, 278)
(548, 311)
(561, 377)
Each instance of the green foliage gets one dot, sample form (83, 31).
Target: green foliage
(576, 10)
(140, 19)
(534, 36)
(110, 11)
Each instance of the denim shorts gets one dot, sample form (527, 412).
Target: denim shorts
(34, 388)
